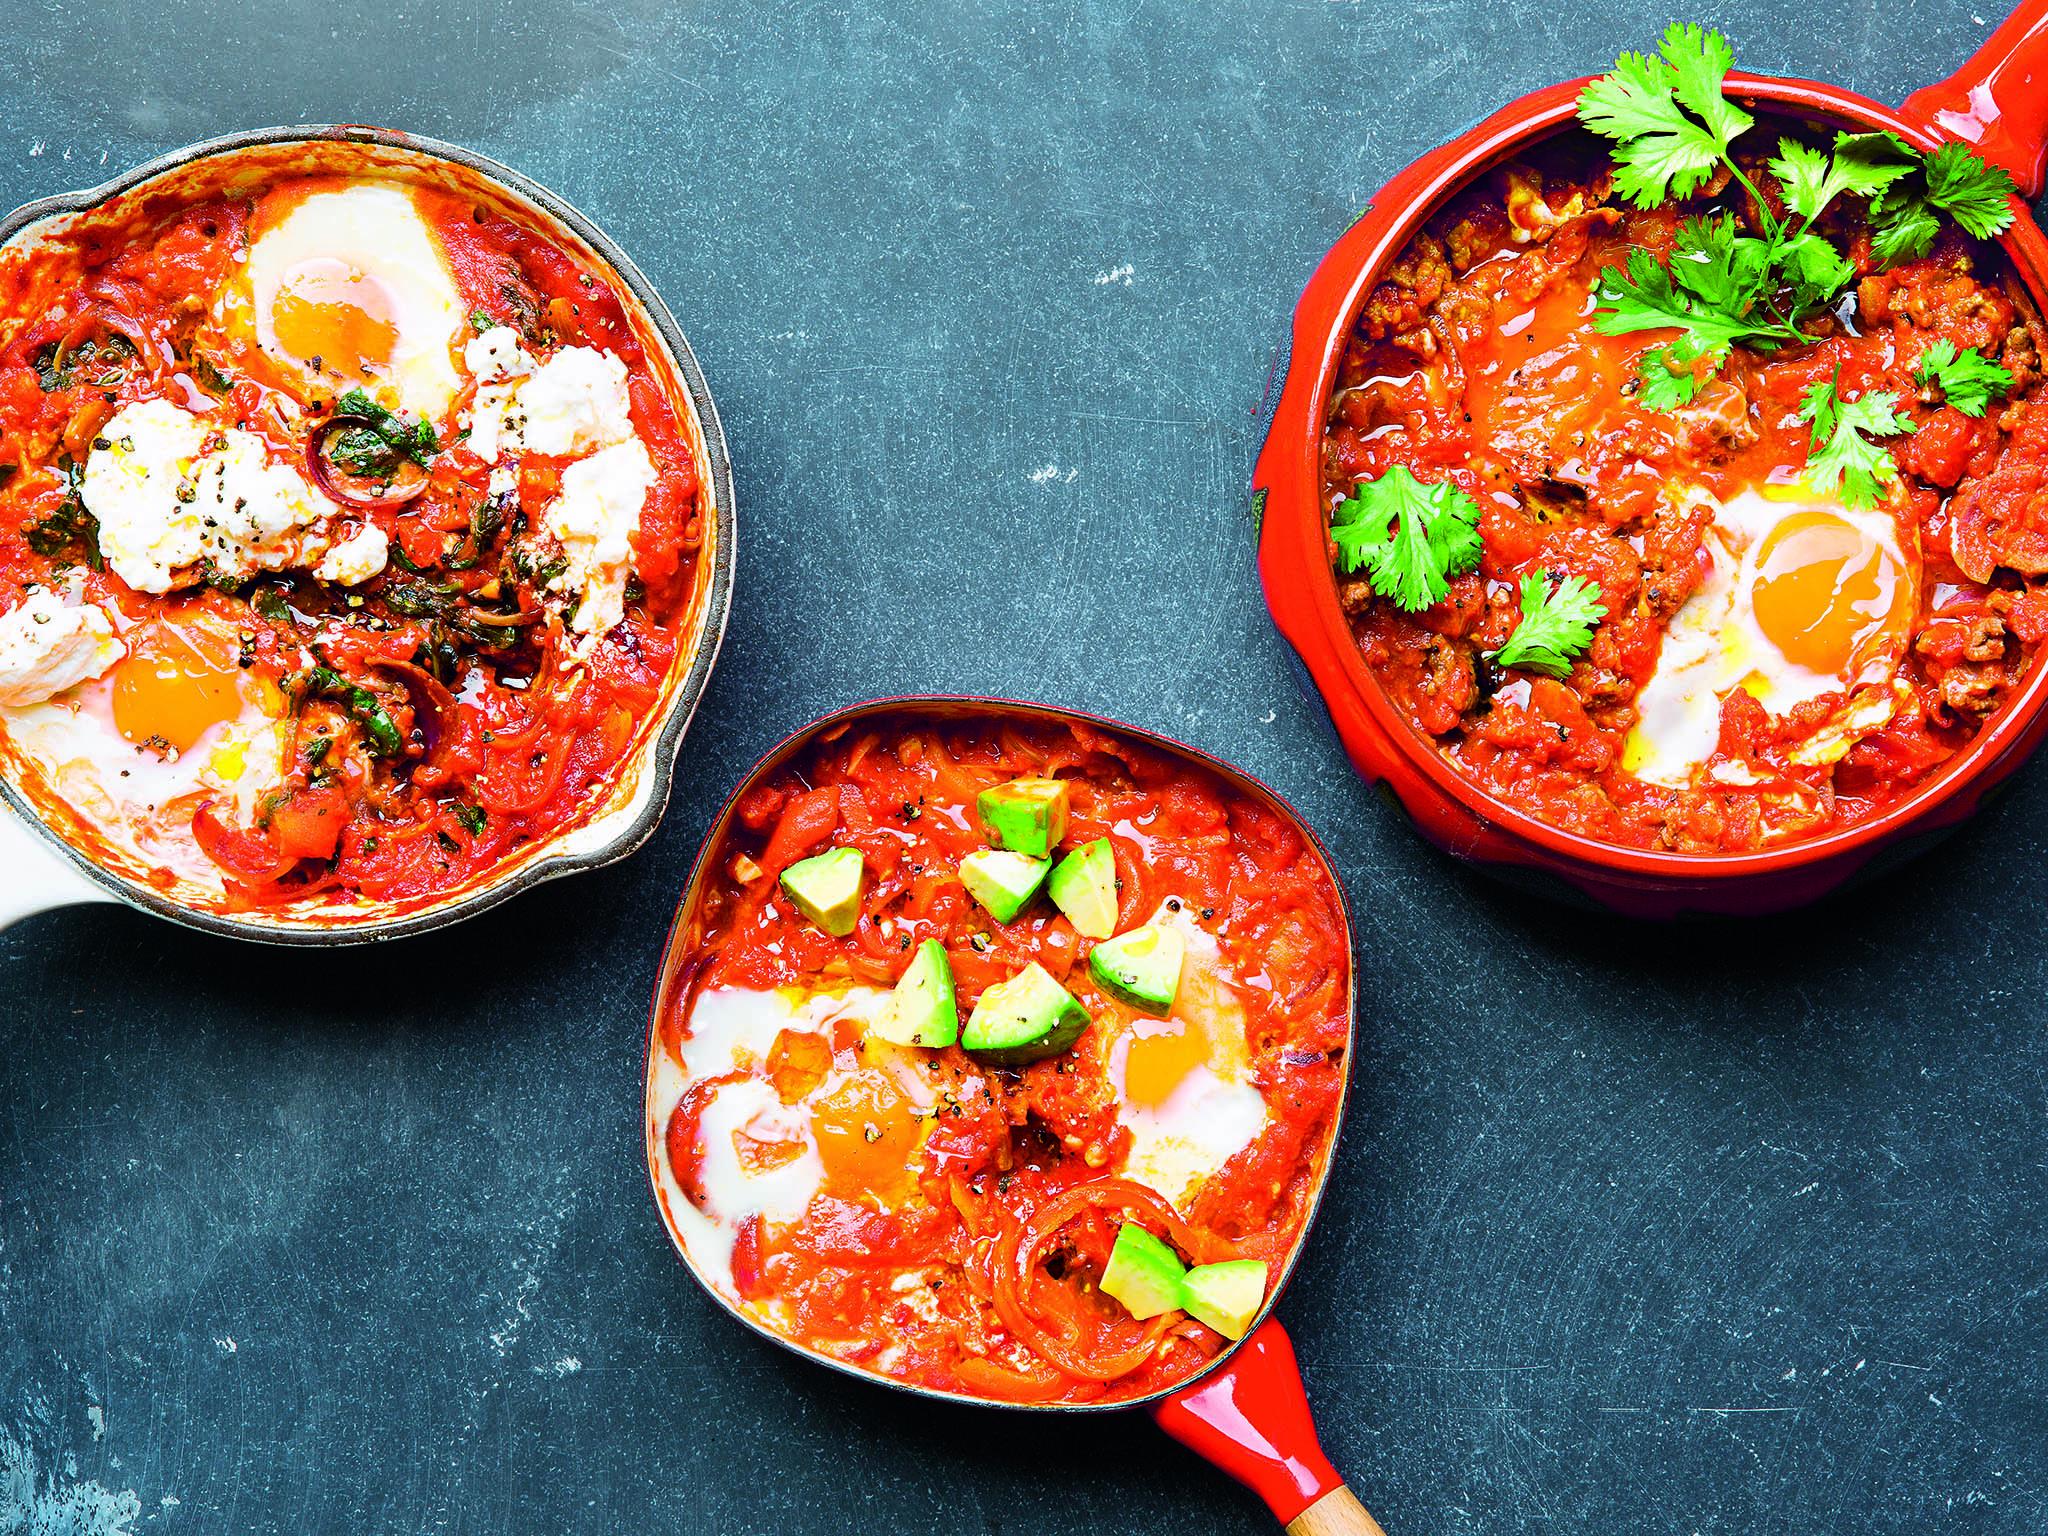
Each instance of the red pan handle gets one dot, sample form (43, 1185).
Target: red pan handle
(1250, 1417)
(1998, 101)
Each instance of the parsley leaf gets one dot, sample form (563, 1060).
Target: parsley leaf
(1409, 562)
(1967, 379)
(1844, 461)
(1643, 104)
(1556, 624)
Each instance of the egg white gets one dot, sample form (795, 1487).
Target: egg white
(1714, 644)
(367, 232)
(137, 798)
(1216, 1110)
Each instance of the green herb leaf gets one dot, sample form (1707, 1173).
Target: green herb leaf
(1862, 164)
(1409, 538)
(1645, 298)
(1974, 194)
(1968, 379)
(68, 536)
(357, 702)
(1643, 103)
(472, 818)
(1556, 624)
(1844, 461)
(402, 436)
(1668, 380)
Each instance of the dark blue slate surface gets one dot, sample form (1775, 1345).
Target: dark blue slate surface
(1711, 1231)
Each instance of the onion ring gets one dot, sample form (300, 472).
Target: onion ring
(333, 483)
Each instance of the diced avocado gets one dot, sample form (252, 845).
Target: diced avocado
(1024, 1019)
(1002, 881)
(1027, 816)
(1143, 1273)
(1083, 886)
(1226, 1296)
(1141, 967)
(826, 889)
(921, 1011)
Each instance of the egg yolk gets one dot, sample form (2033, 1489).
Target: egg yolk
(1825, 589)
(176, 683)
(336, 319)
(1156, 1064)
(867, 1134)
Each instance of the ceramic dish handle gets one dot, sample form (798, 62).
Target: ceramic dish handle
(33, 878)
(1250, 1417)
(1998, 101)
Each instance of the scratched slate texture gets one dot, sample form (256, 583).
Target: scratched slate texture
(1719, 1230)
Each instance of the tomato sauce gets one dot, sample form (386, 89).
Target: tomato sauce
(958, 1247)
(1477, 362)
(499, 733)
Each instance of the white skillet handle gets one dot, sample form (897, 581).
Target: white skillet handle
(34, 877)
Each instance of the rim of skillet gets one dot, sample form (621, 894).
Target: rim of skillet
(970, 704)
(657, 755)
(1447, 169)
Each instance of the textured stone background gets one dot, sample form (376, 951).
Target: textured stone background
(1724, 1230)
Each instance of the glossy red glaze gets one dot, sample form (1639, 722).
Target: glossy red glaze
(1301, 589)
(1998, 101)
(1250, 1417)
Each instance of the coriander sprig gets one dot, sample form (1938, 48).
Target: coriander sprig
(1967, 379)
(1673, 130)
(1556, 624)
(1410, 539)
(1843, 461)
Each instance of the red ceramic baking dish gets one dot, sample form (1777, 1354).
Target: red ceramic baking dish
(1245, 1409)
(1998, 104)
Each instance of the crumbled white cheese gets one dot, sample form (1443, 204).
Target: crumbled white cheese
(172, 491)
(594, 520)
(357, 558)
(48, 645)
(496, 354)
(574, 403)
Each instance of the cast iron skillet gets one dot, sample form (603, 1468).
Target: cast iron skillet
(1246, 1411)
(43, 870)
(1998, 103)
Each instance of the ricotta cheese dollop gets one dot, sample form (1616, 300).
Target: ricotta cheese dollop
(48, 645)
(173, 492)
(594, 520)
(574, 403)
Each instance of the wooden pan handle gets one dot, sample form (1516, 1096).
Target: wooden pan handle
(1250, 1417)
(1336, 1513)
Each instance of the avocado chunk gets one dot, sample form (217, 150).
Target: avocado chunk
(1002, 881)
(1024, 1019)
(1083, 886)
(1143, 1273)
(1226, 1296)
(1027, 816)
(826, 889)
(1141, 967)
(921, 1011)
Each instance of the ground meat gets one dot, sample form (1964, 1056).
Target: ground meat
(1415, 282)
(2001, 517)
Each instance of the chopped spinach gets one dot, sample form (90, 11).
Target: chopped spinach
(361, 705)
(400, 437)
(70, 535)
